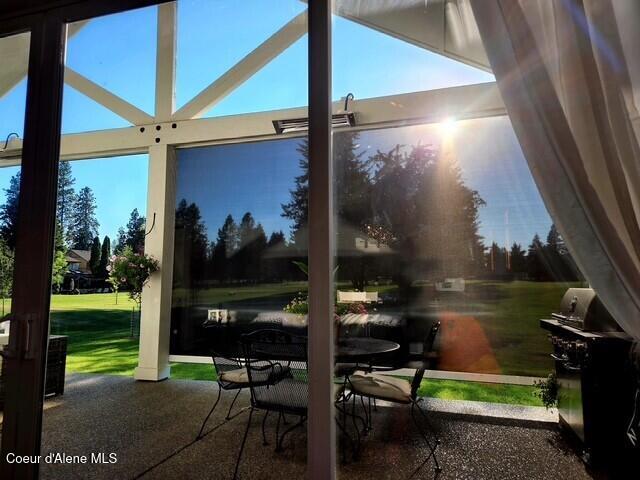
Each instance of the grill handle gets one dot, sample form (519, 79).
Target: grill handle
(559, 359)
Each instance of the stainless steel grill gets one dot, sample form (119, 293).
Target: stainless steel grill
(582, 309)
(595, 383)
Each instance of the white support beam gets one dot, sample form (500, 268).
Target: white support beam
(105, 98)
(472, 101)
(155, 323)
(244, 69)
(166, 62)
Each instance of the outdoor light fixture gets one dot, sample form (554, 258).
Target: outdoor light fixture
(291, 125)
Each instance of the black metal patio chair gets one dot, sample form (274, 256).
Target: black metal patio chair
(276, 367)
(374, 386)
(230, 375)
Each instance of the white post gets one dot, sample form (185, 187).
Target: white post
(155, 322)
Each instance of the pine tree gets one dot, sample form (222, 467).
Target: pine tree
(297, 209)
(224, 250)
(59, 259)
(536, 269)
(84, 224)
(518, 259)
(121, 242)
(497, 259)
(66, 198)
(274, 268)
(560, 263)
(430, 215)
(135, 231)
(105, 253)
(191, 240)
(94, 260)
(9, 212)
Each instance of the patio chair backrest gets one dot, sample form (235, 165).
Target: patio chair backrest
(276, 363)
(427, 348)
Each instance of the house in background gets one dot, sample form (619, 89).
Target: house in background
(78, 260)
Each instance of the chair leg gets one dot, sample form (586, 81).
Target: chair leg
(355, 424)
(366, 415)
(288, 430)
(199, 436)
(432, 448)
(342, 425)
(229, 417)
(429, 424)
(278, 428)
(264, 435)
(244, 440)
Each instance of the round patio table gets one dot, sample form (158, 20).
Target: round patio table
(362, 348)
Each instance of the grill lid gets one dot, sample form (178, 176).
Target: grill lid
(581, 308)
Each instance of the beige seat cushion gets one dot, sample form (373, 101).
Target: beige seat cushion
(240, 376)
(379, 386)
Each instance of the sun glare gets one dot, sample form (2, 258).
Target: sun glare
(448, 126)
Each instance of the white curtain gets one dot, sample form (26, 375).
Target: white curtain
(569, 74)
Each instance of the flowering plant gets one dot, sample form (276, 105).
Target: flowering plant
(299, 305)
(358, 308)
(130, 269)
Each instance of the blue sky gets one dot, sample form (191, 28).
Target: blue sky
(118, 52)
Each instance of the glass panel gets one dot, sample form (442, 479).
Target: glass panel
(279, 65)
(94, 116)
(240, 253)
(418, 68)
(443, 224)
(133, 283)
(446, 255)
(14, 52)
(101, 206)
(237, 244)
(117, 52)
(202, 23)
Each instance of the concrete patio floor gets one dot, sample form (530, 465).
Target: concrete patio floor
(151, 428)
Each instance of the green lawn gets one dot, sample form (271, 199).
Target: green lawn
(98, 330)
(480, 392)
(512, 324)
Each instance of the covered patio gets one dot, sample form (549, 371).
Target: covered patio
(152, 427)
(406, 238)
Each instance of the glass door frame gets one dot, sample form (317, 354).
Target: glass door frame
(26, 358)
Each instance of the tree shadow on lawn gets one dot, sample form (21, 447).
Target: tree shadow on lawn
(98, 340)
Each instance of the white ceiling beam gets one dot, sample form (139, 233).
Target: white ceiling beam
(244, 69)
(166, 62)
(472, 101)
(14, 57)
(105, 98)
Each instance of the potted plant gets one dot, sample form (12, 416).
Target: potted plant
(131, 270)
(547, 390)
(300, 306)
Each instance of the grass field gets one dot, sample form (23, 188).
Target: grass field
(99, 342)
